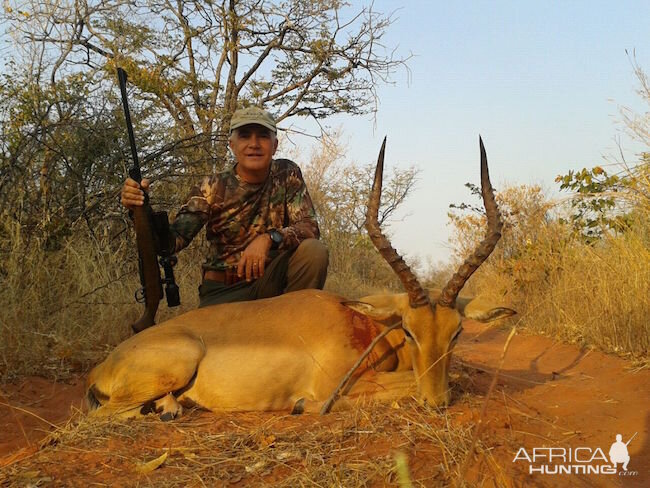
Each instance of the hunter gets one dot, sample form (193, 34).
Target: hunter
(260, 221)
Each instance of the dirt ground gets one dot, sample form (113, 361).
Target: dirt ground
(548, 395)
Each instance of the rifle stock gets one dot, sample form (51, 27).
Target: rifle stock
(144, 231)
(148, 265)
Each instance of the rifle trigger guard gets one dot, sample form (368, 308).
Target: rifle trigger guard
(140, 295)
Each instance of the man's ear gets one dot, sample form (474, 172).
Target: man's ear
(275, 144)
(375, 313)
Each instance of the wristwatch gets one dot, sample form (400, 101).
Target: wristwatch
(276, 238)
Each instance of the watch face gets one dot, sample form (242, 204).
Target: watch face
(276, 236)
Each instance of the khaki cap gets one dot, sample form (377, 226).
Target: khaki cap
(252, 115)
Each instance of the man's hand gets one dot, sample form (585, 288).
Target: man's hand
(253, 259)
(133, 194)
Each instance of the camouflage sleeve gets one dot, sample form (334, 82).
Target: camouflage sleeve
(192, 216)
(300, 210)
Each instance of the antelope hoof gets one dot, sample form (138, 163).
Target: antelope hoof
(298, 407)
(168, 408)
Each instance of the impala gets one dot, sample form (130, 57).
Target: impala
(289, 352)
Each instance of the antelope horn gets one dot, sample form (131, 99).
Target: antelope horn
(417, 296)
(485, 248)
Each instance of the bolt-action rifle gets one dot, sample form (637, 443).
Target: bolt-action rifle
(152, 236)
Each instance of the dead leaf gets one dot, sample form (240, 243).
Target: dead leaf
(285, 455)
(264, 441)
(255, 467)
(149, 466)
(28, 475)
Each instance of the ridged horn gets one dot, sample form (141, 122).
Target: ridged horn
(417, 296)
(485, 248)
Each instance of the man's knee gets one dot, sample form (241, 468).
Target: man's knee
(308, 266)
(314, 252)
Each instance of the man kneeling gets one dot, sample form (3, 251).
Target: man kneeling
(260, 220)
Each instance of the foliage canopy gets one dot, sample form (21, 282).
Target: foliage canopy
(63, 147)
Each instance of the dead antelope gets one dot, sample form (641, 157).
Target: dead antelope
(290, 352)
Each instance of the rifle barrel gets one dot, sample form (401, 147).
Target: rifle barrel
(135, 171)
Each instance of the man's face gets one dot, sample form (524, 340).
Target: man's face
(253, 147)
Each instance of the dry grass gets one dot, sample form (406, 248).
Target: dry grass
(592, 294)
(62, 311)
(596, 295)
(356, 448)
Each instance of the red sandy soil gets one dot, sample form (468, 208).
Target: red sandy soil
(548, 395)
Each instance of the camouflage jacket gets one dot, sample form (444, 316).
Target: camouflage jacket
(235, 212)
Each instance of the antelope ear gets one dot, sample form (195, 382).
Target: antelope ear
(489, 315)
(376, 313)
(482, 309)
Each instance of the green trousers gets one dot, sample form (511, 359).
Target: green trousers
(301, 268)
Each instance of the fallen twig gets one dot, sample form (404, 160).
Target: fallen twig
(16, 419)
(327, 406)
(12, 408)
